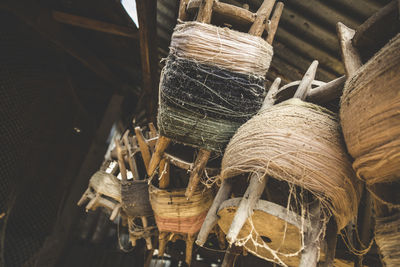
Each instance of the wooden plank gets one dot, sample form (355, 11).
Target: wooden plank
(147, 11)
(95, 25)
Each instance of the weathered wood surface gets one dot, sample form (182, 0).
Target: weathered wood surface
(230, 256)
(246, 206)
(205, 11)
(144, 148)
(282, 231)
(164, 174)
(161, 146)
(262, 15)
(211, 219)
(350, 56)
(182, 14)
(95, 25)
(180, 163)
(197, 172)
(305, 84)
(327, 92)
(273, 26)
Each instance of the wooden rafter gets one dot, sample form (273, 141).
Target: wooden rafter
(95, 25)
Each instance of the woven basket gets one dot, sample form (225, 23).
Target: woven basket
(174, 213)
(370, 116)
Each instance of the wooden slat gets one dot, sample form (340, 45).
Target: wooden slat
(95, 25)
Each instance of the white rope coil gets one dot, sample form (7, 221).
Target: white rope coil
(222, 47)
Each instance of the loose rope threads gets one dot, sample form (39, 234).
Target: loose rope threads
(370, 116)
(203, 105)
(222, 47)
(299, 143)
(174, 213)
(387, 236)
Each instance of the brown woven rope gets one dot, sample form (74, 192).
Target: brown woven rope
(370, 116)
(387, 237)
(174, 213)
(299, 143)
(222, 47)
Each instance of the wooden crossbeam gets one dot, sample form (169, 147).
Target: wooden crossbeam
(95, 25)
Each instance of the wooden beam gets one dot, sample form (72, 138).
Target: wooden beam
(95, 25)
(41, 20)
(147, 11)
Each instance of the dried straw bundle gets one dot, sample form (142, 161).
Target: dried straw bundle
(370, 116)
(174, 213)
(387, 237)
(222, 47)
(299, 143)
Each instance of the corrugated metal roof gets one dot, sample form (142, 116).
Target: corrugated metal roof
(307, 31)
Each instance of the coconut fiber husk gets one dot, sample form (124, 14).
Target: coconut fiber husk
(370, 116)
(202, 105)
(174, 213)
(387, 237)
(135, 198)
(222, 47)
(300, 143)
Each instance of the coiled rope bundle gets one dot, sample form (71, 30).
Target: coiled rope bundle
(299, 143)
(213, 82)
(370, 116)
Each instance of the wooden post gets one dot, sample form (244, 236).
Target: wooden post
(205, 11)
(153, 131)
(131, 161)
(182, 14)
(305, 84)
(230, 256)
(331, 240)
(246, 206)
(197, 172)
(162, 242)
(271, 95)
(189, 248)
(276, 16)
(309, 256)
(161, 146)
(144, 148)
(327, 92)
(121, 162)
(164, 174)
(148, 238)
(350, 56)
(263, 13)
(212, 217)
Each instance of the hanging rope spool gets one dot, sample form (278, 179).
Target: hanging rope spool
(203, 105)
(387, 236)
(299, 143)
(212, 82)
(370, 118)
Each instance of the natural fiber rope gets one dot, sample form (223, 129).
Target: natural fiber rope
(387, 237)
(174, 213)
(299, 143)
(222, 47)
(370, 116)
(202, 105)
